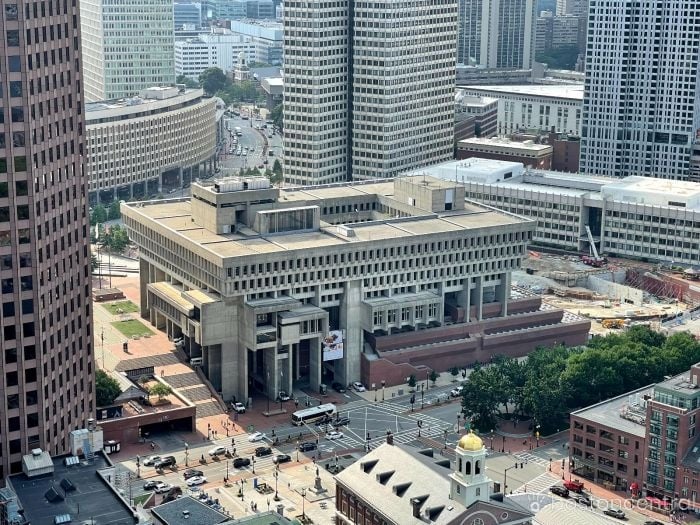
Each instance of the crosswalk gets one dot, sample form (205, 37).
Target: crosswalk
(531, 458)
(538, 485)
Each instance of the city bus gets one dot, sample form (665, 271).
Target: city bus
(309, 415)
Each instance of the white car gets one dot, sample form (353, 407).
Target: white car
(196, 480)
(238, 407)
(150, 461)
(358, 387)
(217, 451)
(457, 391)
(334, 435)
(256, 436)
(162, 487)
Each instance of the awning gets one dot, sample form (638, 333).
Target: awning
(657, 502)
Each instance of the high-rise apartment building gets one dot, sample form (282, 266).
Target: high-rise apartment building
(641, 109)
(46, 384)
(367, 101)
(496, 33)
(127, 47)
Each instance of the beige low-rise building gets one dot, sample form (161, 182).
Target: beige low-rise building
(306, 286)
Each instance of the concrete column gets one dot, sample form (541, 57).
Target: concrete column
(503, 292)
(271, 373)
(315, 363)
(463, 298)
(351, 324)
(211, 357)
(234, 358)
(144, 278)
(477, 296)
(295, 354)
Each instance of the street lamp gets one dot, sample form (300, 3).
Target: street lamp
(138, 466)
(421, 396)
(187, 454)
(375, 393)
(427, 376)
(503, 444)
(413, 400)
(491, 439)
(505, 477)
(383, 389)
(297, 451)
(445, 439)
(226, 478)
(277, 496)
(253, 464)
(303, 500)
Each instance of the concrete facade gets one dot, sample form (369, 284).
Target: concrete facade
(157, 142)
(535, 107)
(258, 280)
(47, 383)
(634, 217)
(128, 47)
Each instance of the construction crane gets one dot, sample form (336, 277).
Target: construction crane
(596, 260)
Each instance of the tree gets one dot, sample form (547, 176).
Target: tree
(114, 211)
(454, 371)
(189, 83)
(94, 262)
(560, 58)
(479, 402)
(433, 376)
(160, 390)
(213, 80)
(106, 389)
(412, 381)
(99, 215)
(276, 116)
(115, 239)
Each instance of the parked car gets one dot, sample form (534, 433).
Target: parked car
(282, 458)
(167, 461)
(162, 487)
(217, 451)
(358, 387)
(262, 451)
(238, 407)
(196, 480)
(334, 435)
(256, 436)
(283, 396)
(307, 446)
(653, 523)
(582, 499)
(190, 473)
(338, 387)
(457, 391)
(559, 491)
(150, 485)
(150, 461)
(615, 513)
(241, 462)
(340, 421)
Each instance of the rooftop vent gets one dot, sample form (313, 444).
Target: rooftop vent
(401, 488)
(432, 513)
(367, 466)
(36, 452)
(383, 477)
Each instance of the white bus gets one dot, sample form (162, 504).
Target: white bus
(309, 415)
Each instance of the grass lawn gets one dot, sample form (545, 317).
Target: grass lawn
(122, 307)
(132, 328)
(138, 500)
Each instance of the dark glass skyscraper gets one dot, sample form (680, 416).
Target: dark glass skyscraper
(47, 379)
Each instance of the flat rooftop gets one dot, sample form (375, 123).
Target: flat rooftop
(504, 143)
(572, 92)
(679, 383)
(91, 499)
(186, 510)
(176, 215)
(610, 413)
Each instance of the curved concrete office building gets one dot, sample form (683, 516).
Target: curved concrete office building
(150, 144)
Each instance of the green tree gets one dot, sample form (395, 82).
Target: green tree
(98, 215)
(276, 116)
(160, 390)
(213, 80)
(106, 389)
(189, 83)
(115, 239)
(412, 381)
(479, 400)
(94, 262)
(433, 376)
(454, 372)
(560, 58)
(114, 212)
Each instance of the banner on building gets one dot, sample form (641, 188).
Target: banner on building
(333, 345)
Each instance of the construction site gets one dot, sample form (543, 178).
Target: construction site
(615, 293)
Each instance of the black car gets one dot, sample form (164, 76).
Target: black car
(150, 485)
(241, 462)
(338, 387)
(190, 473)
(582, 499)
(653, 523)
(282, 458)
(167, 461)
(559, 491)
(341, 421)
(307, 446)
(262, 451)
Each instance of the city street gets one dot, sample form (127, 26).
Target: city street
(257, 141)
